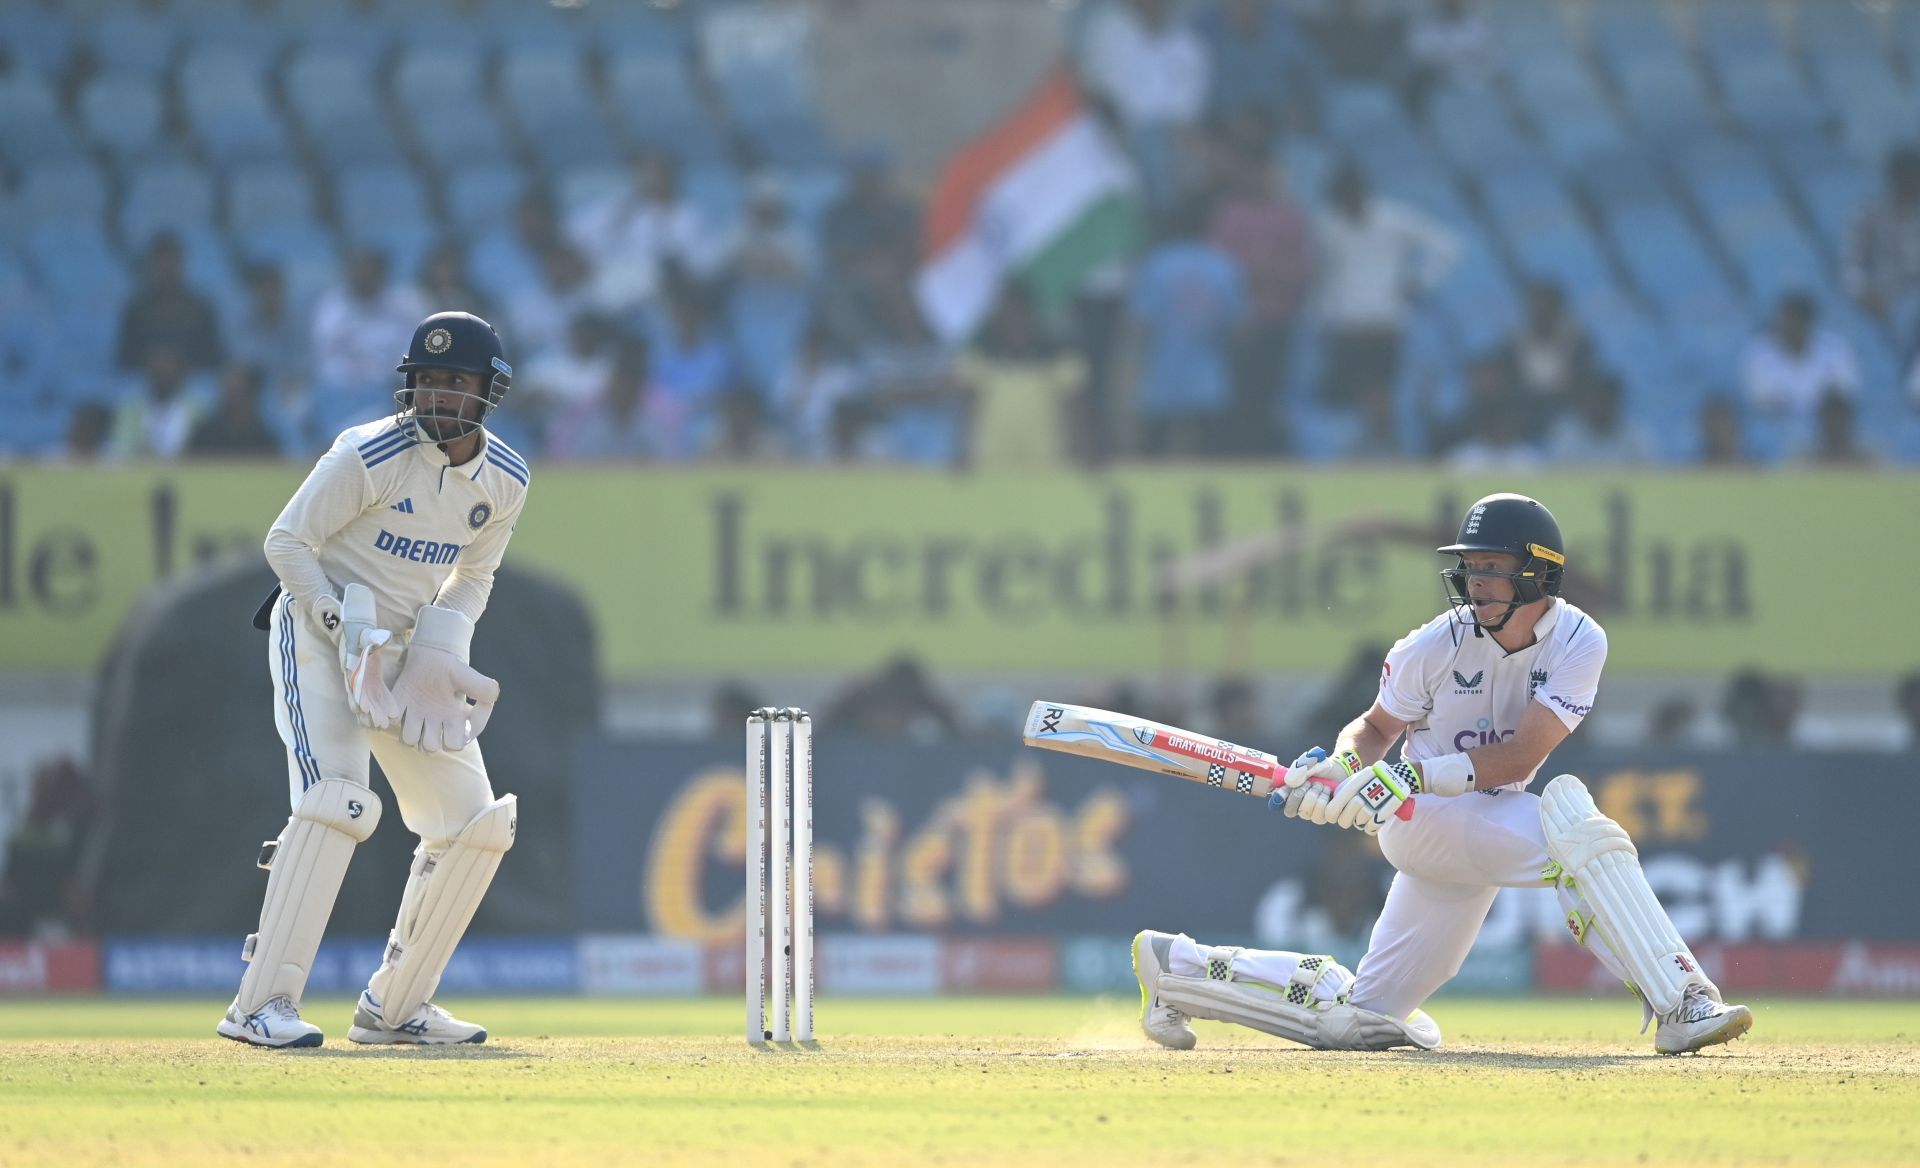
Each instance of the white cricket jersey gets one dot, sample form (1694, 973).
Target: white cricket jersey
(1460, 691)
(384, 508)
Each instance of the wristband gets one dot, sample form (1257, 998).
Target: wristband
(442, 628)
(1449, 774)
(1349, 760)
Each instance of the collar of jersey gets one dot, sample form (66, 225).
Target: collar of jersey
(430, 450)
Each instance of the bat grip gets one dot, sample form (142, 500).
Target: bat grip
(1280, 776)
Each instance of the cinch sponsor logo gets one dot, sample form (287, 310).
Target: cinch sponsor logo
(1483, 734)
(420, 551)
(1577, 711)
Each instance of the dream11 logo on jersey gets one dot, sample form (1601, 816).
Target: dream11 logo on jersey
(1483, 734)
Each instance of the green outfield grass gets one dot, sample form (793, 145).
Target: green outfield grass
(1044, 1081)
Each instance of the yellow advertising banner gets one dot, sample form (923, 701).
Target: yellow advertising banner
(731, 571)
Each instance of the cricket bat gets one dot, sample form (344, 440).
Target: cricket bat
(1155, 746)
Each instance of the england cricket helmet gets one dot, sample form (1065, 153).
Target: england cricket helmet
(461, 341)
(1517, 526)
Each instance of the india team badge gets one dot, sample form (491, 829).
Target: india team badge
(477, 518)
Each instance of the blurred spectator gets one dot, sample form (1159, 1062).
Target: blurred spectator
(445, 287)
(727, 711)
(611, 425)
(1671, 723)
(771, 248)
(361, 329)
(633, 234)
(1377, 256)
(267, 333)
(1355, 689)
(539, 315)
(235, 427)
(1760, 709)
(1189, 303)
(1347, 889)
(1022, 384)
(43, 892)
(1595, 429)
(1140, 61)
(1451, 43)
(1233, 710)
(1792, 365)
(1882, 264)
(1361, 39)
(1906, 696)
(165, 311)
(1271, 238)
(871, 216)
(89, 429)
(810, 394)
(1722, 442)
(744, 436)
(1490, 431)
(557, 379)
(156, 420)
(1836, 441)
(897, 702)
(1256, 62)
(1551, 357)
(692, 370)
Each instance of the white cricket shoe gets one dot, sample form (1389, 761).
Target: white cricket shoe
(1164, 1024)
(1701, 1020)
(429, 1026)
(276, 1025)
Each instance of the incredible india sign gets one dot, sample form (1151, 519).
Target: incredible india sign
(736, 571)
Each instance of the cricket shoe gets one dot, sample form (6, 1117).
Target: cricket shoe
(1164, 1024)
(1701, 1020)
(276, 1025)
(429, 1026)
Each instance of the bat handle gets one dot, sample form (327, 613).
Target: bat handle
(1280, 776)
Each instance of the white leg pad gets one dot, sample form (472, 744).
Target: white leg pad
(1327, 1026)
(304, 869)
(442, 894)
(1599, 857)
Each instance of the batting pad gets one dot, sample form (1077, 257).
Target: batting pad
(1600, 858)
(304, 869)
(438, 905)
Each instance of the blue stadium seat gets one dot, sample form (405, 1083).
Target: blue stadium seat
(1630, 176)
(32, 128)
(1574, 118)
(64, 192)
(223, 96)
(546, 95)
(333, 97)
(438, 93)
(237, 28)
(267, 194)
(500, 267)
(371, 198)
(431, 72)
(757, 57)
(78, 269)
(165, 196)
(483, 196)
(1768, 96)
(134, 40)
(766, 322)
(717, 190)
(657, 104)
(1664, 255)
(1876, 108)
(587, 183)
(123, 114)
(1471, 127)
(633, 30)
(810, 191)
(1665, 100)
(39, 35)
(1834, 197)
(305, 253)
(1353, 110)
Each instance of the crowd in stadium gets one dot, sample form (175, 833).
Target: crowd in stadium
(1491, 234)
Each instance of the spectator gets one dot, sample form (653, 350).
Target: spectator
(1722, 442)
(871, 216)
(1671, 723)
(1022, 383)
(1271, 238)
(1152, 71)
(165, 311)
(541, 313)
(611, 425)
(633, 234)
(693, 370)
(1907, 696)
(1233, 709)
(771, 248)
(817, 383)
(43, 891)
(557, 379)
(1598, 430)
(444, 284)
(1794, 364)
(732, 701)
(1761, 710)
(265, 331)
(897, 702)
(1551, 356)
(1882, 264)
(1451, 43)
(236, 427)
(156, 420)
(361, 329)
(1489, 432)
(1189, 303)
(89, 430)
(1256, 63)
(1377, 255)
(1835, 441)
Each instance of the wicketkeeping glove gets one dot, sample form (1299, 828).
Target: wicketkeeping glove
(360, 643)
(444, 702)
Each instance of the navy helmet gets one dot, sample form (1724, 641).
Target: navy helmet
(461, 341)
(1520, 527)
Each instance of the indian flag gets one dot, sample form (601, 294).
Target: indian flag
(1044, 197)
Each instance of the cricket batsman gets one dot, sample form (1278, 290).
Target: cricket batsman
(385, 557)
(1482, 694)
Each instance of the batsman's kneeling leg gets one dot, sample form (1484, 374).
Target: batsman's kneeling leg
(1299, 1010)
(439, 902)
(304, 869)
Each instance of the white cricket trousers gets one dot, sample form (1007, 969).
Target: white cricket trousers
(438, 793)
(1450, 860)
